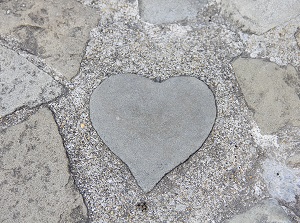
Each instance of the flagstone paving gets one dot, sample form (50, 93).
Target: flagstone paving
(56, 32)
(166, 11)
(267, 211)
(246, 53)
(35, 182)
(269, 91)
(23, 84)
(259, 16)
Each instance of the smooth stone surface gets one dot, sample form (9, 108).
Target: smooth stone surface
(269, 211)
(169, 11)
(35, 182)
(267, 91)
(259, 16)
(49, 29)
(23, 84)
(151, 126)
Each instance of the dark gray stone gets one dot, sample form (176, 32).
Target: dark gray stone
(152, 126)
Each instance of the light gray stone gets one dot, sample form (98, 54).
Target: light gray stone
(283, 182)
(266, 90)
(50, 29)
(297, 36)
(169, 11)
(23, 84)
(152, 127)
(294, 160)
(259, 16)
(269, 211)
(35, 183)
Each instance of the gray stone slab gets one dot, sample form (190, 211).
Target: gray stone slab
(35, 183)
(169, 11)
(267, 91)
(22, 83)
(259, 16)
(49, 29)
(151, 126)
(297, 36)
(294, 160)
(269, 211)
(282, 181)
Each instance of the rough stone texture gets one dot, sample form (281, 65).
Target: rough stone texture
(259, 16)
(283, 182)
(214, 182)
(280, 175)
(34, 180)
(267, 91)
(225, 176)
(51, 30)
(294, 160)
(23, 84)
(278, 45)
(152, 127)
(269, 211)
(168, 11)
(297, 35)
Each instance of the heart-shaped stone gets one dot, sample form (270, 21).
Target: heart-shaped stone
(153, 127)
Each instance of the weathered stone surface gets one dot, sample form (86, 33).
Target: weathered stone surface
(294, 160)
(297, 35)
(168, 11)
(152, 127)
(269, 211)
(53, 30)
(22, 83)
(266, 90)
(259, 16)
(35, 183)
(283, 182)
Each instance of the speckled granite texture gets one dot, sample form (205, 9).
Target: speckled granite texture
(247, 162)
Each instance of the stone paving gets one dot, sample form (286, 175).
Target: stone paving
(150, 111)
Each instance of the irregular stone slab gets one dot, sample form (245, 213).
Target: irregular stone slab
(269, 211)
(297, 36)
(151, 126)
(259, 16)
(294, 160)
(169, 11)
(264, 85)
(35, 182)
(283, 182)
(23, 84)
(49, 29)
